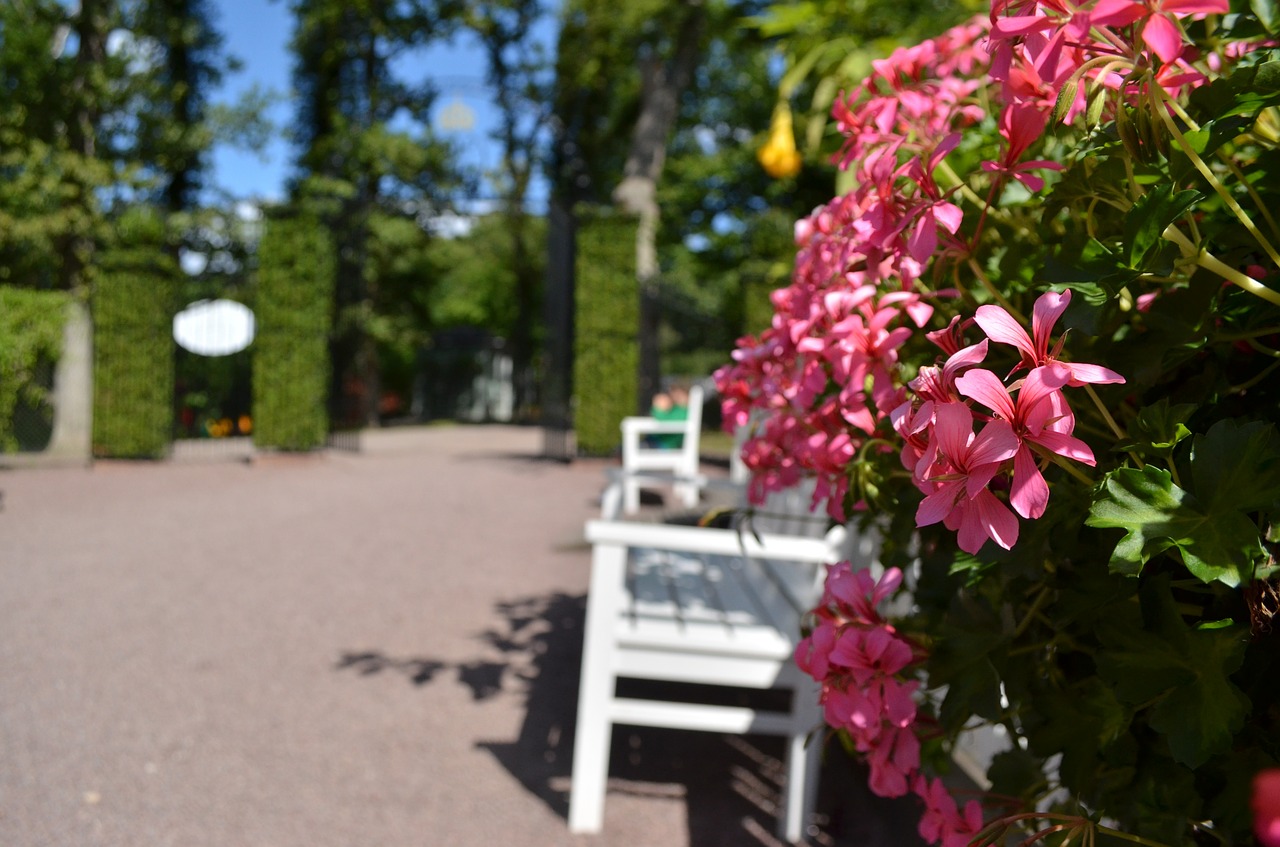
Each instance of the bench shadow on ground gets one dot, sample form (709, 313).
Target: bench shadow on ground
(730, 785)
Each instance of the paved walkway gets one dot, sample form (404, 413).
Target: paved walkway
(344, 650)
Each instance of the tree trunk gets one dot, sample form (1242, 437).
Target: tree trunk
(662, 85)
(82, 133)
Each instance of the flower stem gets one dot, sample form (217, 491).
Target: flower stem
(1036, 606)
(993, 291)
(1245, 386)
(1106, 414)
(1136, 839)
(1159, 99)
(1210, 262)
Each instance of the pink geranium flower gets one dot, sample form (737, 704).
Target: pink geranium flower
(871, 652)
(1001, 328)
(959, 472)
(1020, 125)
(858, 593)
(1031, 414)
(1160, 30)
(942, 822)
(893, 760)
(1266, 807)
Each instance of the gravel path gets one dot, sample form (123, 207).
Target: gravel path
(359, 650)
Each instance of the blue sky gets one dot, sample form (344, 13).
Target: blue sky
(258, 32)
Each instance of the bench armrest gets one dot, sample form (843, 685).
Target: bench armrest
(648, 426)
(723, 542)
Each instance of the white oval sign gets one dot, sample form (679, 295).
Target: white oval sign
(214, 327)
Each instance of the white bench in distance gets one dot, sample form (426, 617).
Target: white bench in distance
(698, 605)
(639, 458)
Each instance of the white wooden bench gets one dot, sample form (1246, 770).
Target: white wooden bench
(698, 605)
(639, 458)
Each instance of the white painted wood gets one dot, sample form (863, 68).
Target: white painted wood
(681, 462)
(712, 606)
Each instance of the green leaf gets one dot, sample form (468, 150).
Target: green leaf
(1015, 771)
(1215, 543)
(1247, 91)
(1237, 466)
(1151, 216)
(1159, 427)
(1268, 12)
(1182, 674)
(1200, 717)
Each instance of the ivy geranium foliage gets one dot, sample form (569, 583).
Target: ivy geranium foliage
(1037, 349)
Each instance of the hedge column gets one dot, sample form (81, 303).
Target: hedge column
(134, 301)
(606, 352)
(31, 329)
(296, 270)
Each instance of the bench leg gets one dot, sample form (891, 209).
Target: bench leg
(803, 764)
(590, 767)
(800, 790)
(687, 494)
(630, 496)
(596, 690)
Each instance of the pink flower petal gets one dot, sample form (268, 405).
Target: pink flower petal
(1048, 308)
(995, 443)
(1196, 7)
(1116, 12)
(1066, 445)
(1164, 37)
(985, 387)
(1096, 374)
(999, 522)
(1001, 328)
(938, 505)
(1029, 493)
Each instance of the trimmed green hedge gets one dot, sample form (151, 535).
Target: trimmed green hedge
(606, 352)
(31, 324)
(296, 272)
(134, 300)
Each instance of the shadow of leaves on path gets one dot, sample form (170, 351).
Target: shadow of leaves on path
(730, 785)
(418, 671)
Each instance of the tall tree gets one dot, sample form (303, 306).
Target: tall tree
(102, 107)
(517, 71)
(59, 83)
(354, 162)
(174, 134)
(645, 54)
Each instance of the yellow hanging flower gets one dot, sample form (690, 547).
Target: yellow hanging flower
(779, 156)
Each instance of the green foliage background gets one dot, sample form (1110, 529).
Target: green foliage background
(605, 349)
(31, 324)
(133, 305)
(296, 266)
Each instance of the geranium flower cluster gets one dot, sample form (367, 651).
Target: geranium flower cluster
(865, 668)
(1024, 422)
(823, 377)
(835, 375)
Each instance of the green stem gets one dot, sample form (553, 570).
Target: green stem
(963, 186)
(1262, 348)
(1067, 466)
(1210, 262)
(1136, 839)
(1245, 386)
(1244, 336)
(1106, 414)
(1036, 606)
(1160, 98)
(994, 292)
(1253, 194)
